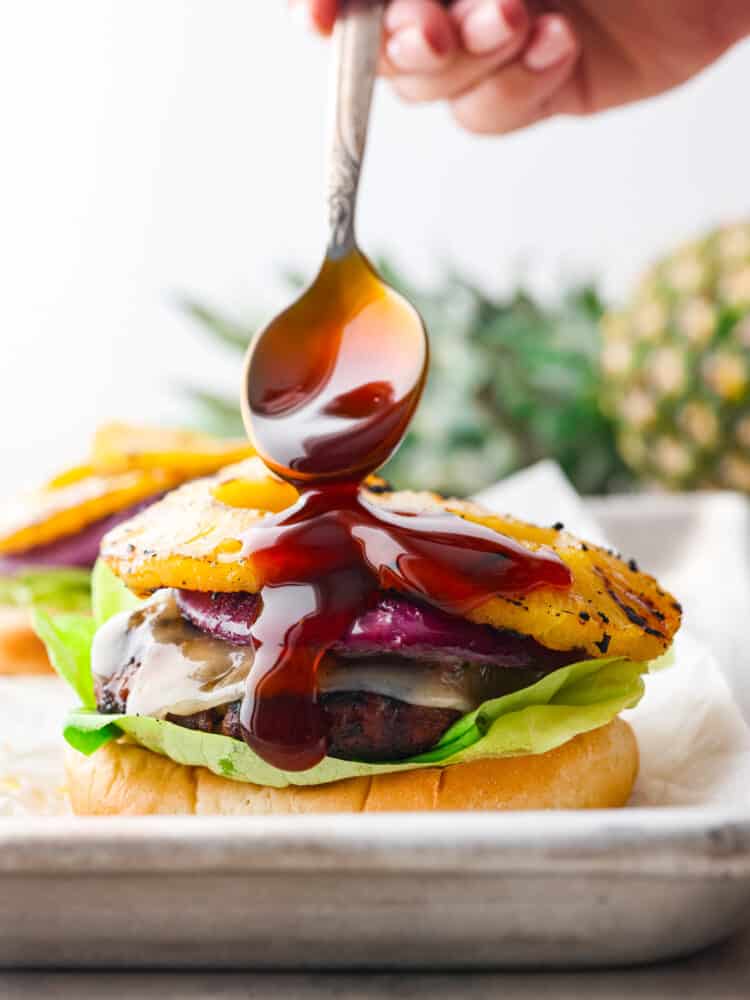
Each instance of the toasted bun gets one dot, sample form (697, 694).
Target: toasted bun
(21, 649)
(596, 770)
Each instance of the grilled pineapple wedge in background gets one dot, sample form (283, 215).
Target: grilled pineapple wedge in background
(119, 447)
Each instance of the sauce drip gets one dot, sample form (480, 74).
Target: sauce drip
(332, 385)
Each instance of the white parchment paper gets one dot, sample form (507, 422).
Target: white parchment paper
(694, 742)
(32, 777)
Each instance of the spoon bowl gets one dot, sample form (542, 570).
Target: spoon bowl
(332, 382)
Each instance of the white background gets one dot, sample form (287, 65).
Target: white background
(154, 147)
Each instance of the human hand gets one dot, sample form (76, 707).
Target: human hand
(506, 64)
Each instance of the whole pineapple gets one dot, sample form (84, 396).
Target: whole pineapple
(676, 367)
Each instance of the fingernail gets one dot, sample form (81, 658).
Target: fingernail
(485, 28)
(410, 51)
(552, 44)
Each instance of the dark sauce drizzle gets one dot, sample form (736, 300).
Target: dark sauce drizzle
(322, 561)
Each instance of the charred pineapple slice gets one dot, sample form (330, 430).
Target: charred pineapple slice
(611, 609)
(191, 539)
(72, 504)
(119, 447)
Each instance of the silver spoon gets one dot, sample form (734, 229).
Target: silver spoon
(332, 382)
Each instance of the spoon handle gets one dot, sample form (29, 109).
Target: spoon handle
(356, 49)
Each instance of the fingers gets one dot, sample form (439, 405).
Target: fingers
(529, 89)
(485, 24)
(421, 38)
(490, 32)
(499, 66)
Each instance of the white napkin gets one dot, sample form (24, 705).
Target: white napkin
(694, 742)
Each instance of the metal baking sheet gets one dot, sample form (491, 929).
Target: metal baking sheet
(443, 891)
(524, 890)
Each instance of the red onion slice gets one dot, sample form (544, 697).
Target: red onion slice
(394, 625)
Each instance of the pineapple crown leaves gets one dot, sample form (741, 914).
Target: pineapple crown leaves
(220, 327)
(213, 412)
(511, 381)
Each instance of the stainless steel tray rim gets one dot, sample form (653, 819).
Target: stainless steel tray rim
(684, 843)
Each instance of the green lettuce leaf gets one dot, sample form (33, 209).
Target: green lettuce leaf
(68, 639)
(48, 587)
(572, 700)
(109, 595)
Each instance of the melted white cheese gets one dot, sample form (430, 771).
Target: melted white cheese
(183, 670)
(419, 684)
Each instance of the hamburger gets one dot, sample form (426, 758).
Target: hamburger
(513, 705)
(49, 539)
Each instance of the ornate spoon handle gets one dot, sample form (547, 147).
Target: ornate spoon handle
(356, 48)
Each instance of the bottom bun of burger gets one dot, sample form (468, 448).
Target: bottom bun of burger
(21, 649)
(596, 770)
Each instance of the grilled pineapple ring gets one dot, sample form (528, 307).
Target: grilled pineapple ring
(193, 540)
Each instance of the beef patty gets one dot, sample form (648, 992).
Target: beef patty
(362, 726)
